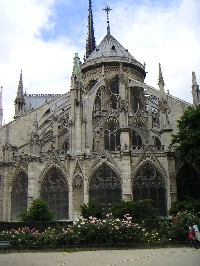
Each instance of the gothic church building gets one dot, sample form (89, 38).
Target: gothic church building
(108, 138)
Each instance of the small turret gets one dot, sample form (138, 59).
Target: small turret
(195, 90)
(19, 100)
(77, 81)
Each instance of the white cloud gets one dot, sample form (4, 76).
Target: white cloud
(154, 33)
(46, 66)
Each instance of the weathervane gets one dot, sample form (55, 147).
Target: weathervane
(107, 9)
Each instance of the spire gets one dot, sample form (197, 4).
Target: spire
(19, 100)
(90, 43)
(107, 9)
(194, 80)
(160, 79)
(20, 91)
(195, 90)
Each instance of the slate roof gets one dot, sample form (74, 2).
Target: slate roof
(33, 101)
(110, 50)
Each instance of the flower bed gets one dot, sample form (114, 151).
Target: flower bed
(103, 232)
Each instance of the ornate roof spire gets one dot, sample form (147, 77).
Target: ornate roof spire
(107, 9)
(90, 43)
(160, 78)
(20, 91)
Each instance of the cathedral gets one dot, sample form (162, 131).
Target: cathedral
(107, 139)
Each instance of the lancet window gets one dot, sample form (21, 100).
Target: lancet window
(112, 135)
(136, 99)
(149, 184)
(19, 195)
(54, 191)
(105, 187)
(114, 93)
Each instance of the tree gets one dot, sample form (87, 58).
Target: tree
(38, 211)
(188, 136)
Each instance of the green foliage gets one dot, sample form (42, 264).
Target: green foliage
(188, 136)
(38, 211)
(178, 228)
(186, 205)
(141, 209)
(108, 231)
(93, 209)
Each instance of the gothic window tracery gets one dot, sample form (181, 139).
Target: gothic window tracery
(149, 184)
(112, 135)
(135, 98)
(19, 195)
(114, 93)
(136, 140)
(105, 187)
(54, 191)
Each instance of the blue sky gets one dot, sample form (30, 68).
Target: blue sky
(41, 37)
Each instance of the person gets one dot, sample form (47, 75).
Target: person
(197, 236)
(191, 236)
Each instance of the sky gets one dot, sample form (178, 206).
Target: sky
(41, 37)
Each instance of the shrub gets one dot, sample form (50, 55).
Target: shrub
(186, 205)
(141, 209)
(38, 211)
(92, 209)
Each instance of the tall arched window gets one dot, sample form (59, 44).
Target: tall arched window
(149, 184)
(114, 93)
(54, 191)
(105, 187)
(19, 195)
(135, 98)
(112, 135)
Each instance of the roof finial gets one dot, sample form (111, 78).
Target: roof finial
(90, 42)
(107, 9)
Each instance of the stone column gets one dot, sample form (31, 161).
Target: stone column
(172, 178)
(126, 177)
(33, 178)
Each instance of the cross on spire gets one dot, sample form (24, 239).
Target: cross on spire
(107, 9)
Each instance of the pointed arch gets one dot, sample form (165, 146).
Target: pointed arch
(105, 187)
(19, 194)
(54, 190)
(149, 183)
